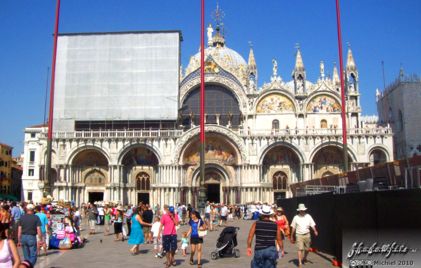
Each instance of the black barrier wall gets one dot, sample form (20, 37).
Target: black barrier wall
(399, 209)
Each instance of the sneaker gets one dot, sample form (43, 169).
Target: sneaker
(156, 255)
(159, 255)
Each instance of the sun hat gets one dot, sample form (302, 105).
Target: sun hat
(301, 207)
(30, 206)
(120, 208)
(266, 210)
(280, 209)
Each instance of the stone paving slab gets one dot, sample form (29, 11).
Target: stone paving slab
(103, 251)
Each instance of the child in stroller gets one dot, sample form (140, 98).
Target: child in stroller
(227, 241)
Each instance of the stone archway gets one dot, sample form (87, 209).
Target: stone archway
(281, 158)
(328, 161)
(377, 156)
(216, 184)
(139, 168)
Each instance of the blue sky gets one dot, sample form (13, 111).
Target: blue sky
(388, 30)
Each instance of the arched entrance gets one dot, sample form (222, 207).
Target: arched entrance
(221, 159)
(143, 187)
(140, 166)
(328, 161)
(280, 180)
(377, 156)
(216, 183)
(90, 167)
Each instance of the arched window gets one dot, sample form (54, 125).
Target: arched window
(275, 124)
(143, 182)
(280, 181)
(323, 123)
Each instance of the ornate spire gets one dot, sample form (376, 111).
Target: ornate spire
(299, 64)
(252, 68)
(350, 63)
(322, 70)
(335, 77)
(218, 40)
(252, 60)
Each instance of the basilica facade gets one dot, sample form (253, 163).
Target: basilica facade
(259, 139)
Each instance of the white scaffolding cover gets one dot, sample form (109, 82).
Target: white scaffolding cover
(116, 76)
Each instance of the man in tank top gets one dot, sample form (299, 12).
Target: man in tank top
(267, 234)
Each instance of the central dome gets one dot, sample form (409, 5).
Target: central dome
(226, 58)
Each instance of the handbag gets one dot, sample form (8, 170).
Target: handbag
(201, 233)
(65, 243)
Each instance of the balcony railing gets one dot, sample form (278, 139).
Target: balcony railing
(109, 134)
(175, 133)
(314, 132)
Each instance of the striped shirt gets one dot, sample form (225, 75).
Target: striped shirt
(265, 234)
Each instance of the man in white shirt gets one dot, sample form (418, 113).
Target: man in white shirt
(224, 215)
(301, 225)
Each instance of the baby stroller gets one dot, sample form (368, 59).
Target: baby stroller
(225, 246)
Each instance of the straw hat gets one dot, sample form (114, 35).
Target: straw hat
(301, 207)
(30, 207)
(266, 210)
(280, 209)
(120, 208)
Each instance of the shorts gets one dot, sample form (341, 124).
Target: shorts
(169, 243)
(157, 243)
(118, 227)
(196, 240)
(303, 241)
(146, 229)
(224, 218)
(184, 246)
(44, 238)
(207, 216)
(92, 224)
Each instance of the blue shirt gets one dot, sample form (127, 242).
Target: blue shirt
(195, 228)
(16, 213)
(44, 221)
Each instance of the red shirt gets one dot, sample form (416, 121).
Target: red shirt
(169, 226)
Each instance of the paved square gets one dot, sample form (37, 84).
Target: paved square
(103, 251)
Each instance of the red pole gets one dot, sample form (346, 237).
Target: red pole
(53, 72)
(202, 73)
(47, 184)
(202, 190)
(341, 67)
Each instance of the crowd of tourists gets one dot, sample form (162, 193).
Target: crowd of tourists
(144, 224)
(37, 228)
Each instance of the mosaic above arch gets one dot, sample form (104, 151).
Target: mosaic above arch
(323, 104)
(281, 156)
(275, 103)
(216, 149)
